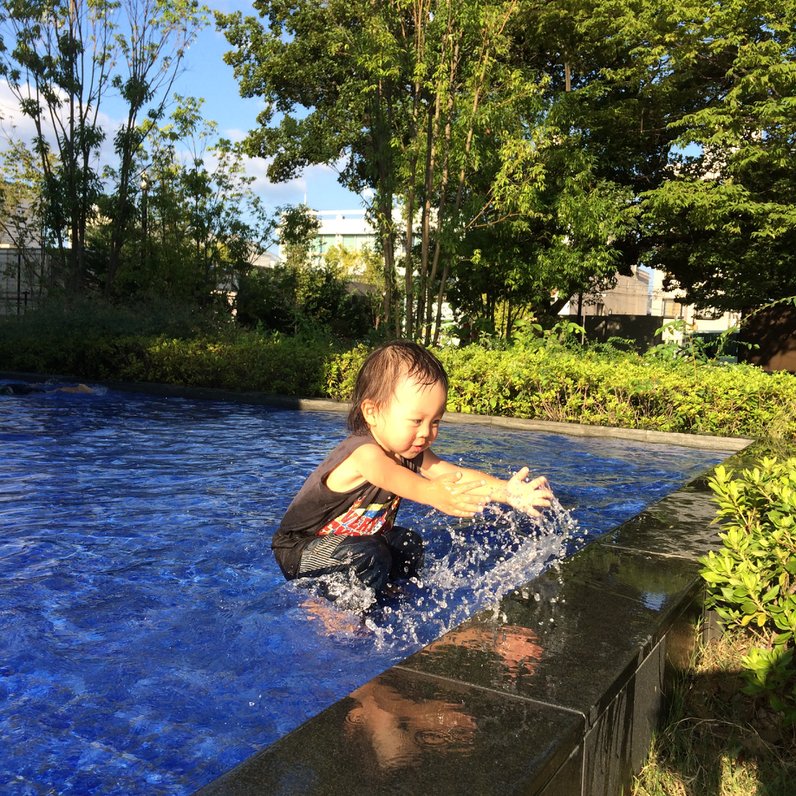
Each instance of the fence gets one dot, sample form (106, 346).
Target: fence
(21, 279)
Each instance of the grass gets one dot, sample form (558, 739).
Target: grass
(717, 741)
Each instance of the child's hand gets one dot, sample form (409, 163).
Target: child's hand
(450, 494)
(528, 496)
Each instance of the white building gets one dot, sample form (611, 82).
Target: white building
(668, 304)
(347, 228)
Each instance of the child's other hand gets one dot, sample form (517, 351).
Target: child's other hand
(528, 496)
(449, 493)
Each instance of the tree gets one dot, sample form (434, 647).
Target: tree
(21, 213)
(536, 143)
(151, 48)
(64, 58)
(724, 224)
(203, 225)
(398, 95)
(59, 71)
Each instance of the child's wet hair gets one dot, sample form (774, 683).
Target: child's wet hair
(383, 368)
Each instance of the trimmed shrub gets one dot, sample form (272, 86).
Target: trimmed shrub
(547, 381)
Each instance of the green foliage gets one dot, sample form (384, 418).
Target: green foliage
(267, 296)
(252, 361)
(201, 224)
(73, 55)
(552, 382)
(342, 370)
(544, 379)
(110, 344)
(752, 579)
(724, 220)
(287, 298)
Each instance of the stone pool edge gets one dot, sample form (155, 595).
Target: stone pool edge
(704, 441)
(573, 429)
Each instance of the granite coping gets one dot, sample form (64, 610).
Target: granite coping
(551, 427)
(504, 702)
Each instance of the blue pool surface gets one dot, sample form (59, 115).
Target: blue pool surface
(148, 641)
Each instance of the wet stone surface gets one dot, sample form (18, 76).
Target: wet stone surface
(572, 636)
(403, 733)
(679, 525)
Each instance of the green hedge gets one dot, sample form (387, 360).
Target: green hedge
(621, 390)
(243, 361)
(545, 382)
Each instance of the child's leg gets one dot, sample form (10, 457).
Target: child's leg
(369, 557)
(407, 552)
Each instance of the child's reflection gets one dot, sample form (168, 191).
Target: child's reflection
(515, 648)
(400, 728)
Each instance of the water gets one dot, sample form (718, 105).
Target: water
(148, 641)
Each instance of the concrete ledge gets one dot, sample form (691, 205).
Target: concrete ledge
(555, 692)
(573, 429)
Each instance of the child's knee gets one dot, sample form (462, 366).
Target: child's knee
(407, 550)
(369, 557)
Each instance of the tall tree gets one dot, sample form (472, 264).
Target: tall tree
(22, 214)
(397, 95)
(59, 69)
(724, 224)
(201, 226)
(151, 46)
(62, 59)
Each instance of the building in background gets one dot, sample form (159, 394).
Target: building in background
(348, 229)
(638, 301)
(630, 296)
(668, 304)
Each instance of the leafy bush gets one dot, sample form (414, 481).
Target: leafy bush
(543, 378)
(752, 579)
(553, 382)
(560, 384)
(287, 298)
(271, 364)
(234, 360)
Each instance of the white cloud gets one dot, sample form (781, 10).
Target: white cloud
(13, 120)
(16, 124)
(317, 184)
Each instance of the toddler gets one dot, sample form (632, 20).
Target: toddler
(343, 518)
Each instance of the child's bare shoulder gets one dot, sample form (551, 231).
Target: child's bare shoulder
(349, 473)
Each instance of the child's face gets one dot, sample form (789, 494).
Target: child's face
(409, 422)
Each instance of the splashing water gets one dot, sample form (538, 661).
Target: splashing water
(468, 567)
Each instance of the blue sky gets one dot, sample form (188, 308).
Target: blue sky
(206, 75)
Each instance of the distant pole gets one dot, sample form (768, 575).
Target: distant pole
(144, 231)
(19, 282)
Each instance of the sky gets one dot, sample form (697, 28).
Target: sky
(206, 75)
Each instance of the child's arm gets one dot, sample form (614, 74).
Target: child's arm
(527, 496)
(447, 491)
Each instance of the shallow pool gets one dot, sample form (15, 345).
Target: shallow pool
(148, 641)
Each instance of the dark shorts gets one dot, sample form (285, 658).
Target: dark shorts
(376, 559)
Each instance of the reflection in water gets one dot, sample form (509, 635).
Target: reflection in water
(399, 728)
